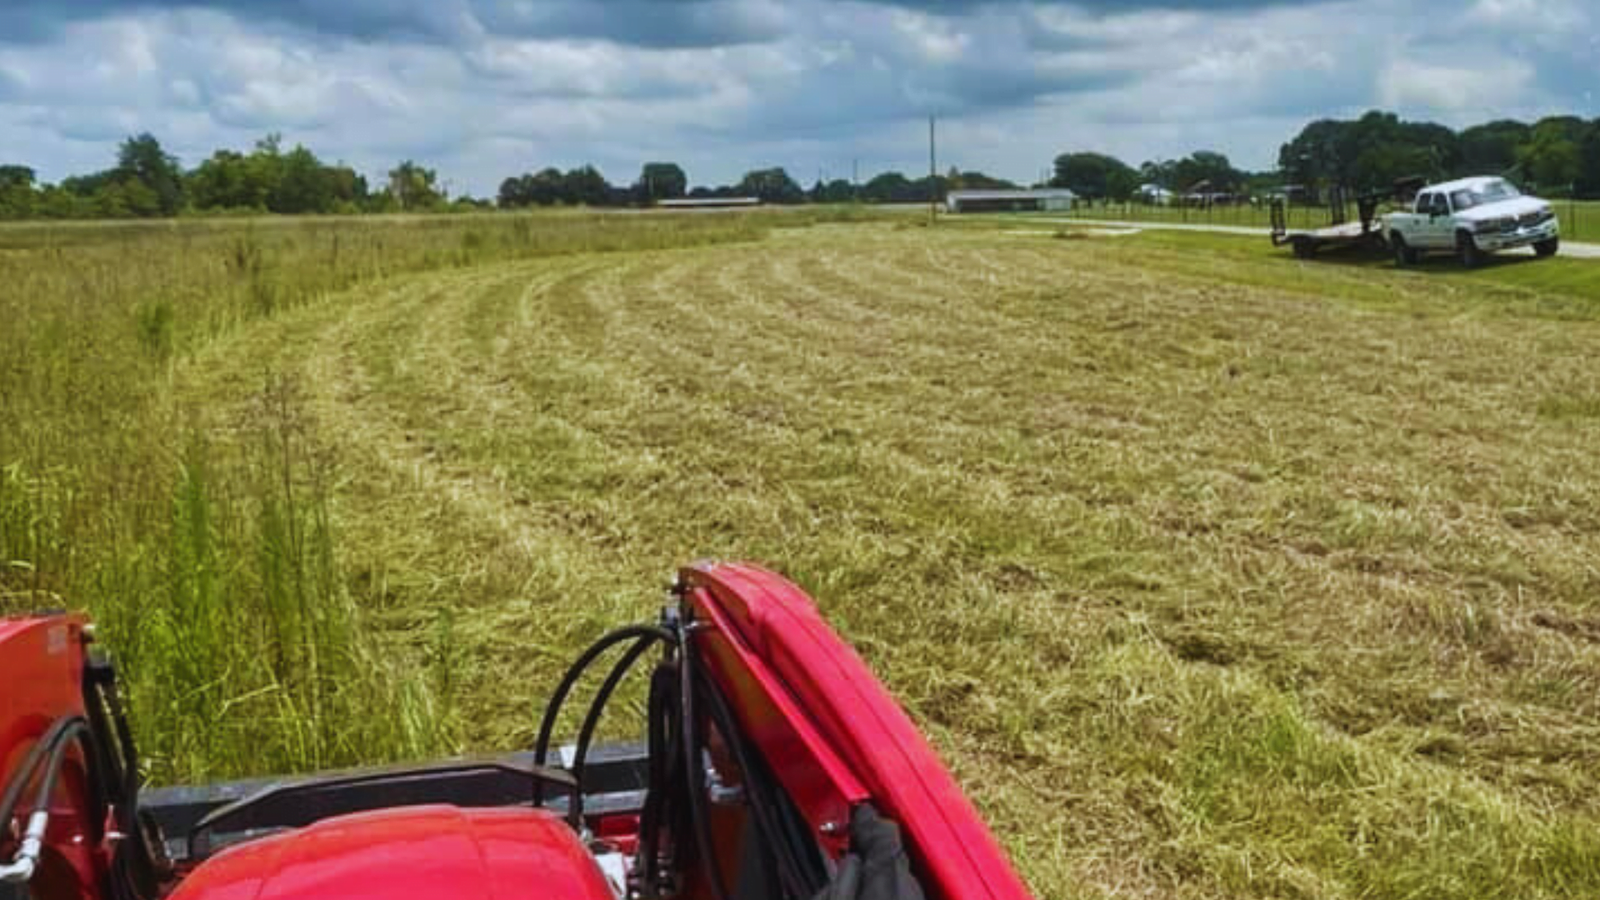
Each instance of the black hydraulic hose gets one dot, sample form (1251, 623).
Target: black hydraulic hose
(50, 753)
(134, 867)
(547, 725)
(676, 743)
(663, 761)
(592, 720)
(51, 744)
(650, 813)
(77, 727)
(130, 758)
(694, 771)
(762, 804)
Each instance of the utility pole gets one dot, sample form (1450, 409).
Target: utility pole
(933, 177)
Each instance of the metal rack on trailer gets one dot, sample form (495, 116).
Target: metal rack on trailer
(1366, 233)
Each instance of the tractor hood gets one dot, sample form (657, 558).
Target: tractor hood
(421, 852)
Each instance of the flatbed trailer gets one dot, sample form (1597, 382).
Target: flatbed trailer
(1341, 234)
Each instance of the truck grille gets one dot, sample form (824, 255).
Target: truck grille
(1535, 218)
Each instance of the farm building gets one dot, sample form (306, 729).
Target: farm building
(1009, 201)
(1155, 194)
(708, 202)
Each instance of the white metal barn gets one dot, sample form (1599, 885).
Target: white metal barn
(1040, 199)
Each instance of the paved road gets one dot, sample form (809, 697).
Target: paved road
(1572, 249)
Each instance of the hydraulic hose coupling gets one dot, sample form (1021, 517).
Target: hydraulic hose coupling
(20, 870)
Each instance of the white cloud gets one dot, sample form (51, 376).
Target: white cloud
(931, 39)
(1546, 16)
(1480, 86)
(486, 88)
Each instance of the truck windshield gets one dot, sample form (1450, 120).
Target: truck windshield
(1487, 192)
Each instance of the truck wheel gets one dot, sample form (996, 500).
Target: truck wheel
(1467, 250)
(1403, 255)
(1547, 248)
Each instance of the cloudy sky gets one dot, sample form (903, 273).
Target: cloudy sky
(485, 88)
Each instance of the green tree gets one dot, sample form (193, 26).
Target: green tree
(270, 180)
(1588, 182)
(1550, 161)
(546, 187)
(1095, 176)
(1552, 157)
(1207, 171)
(585, 186)
(414, 187)
(59, 203)
(889, 187)
(836, 191)
(140, 159)
(957, 180)
(19, 197)
(347, 187)
(1162, 173)
(660, 181)
(303, 185)
(229, 180)
(771, 185)
(1371, 151)
(17, 175)
(1491, 148)
(513, 193)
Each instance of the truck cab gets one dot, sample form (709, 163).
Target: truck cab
(1472, 217)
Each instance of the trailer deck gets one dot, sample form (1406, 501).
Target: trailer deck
(1366, 233)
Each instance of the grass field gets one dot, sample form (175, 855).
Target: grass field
(1580, 220)
(1211, 572)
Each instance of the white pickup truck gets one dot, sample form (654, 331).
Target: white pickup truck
(1471, 217)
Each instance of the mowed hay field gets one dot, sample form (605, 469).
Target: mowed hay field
(1212, 573)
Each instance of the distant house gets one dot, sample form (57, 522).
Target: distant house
(1037, 200)
(1156, 195)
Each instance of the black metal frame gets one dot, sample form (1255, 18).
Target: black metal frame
(198, 821)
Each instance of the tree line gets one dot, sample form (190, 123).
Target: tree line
(1557, 156)
(148, 182)
(667, 181)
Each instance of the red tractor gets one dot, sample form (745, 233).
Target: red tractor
(774, 765)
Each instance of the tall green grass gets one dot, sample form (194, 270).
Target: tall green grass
(210, 558)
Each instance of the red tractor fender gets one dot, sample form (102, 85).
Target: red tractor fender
(825, 713)
(41, 683)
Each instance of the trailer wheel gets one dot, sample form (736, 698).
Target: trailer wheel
(1547, 248)
(1467, 250)
(1403, 255)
